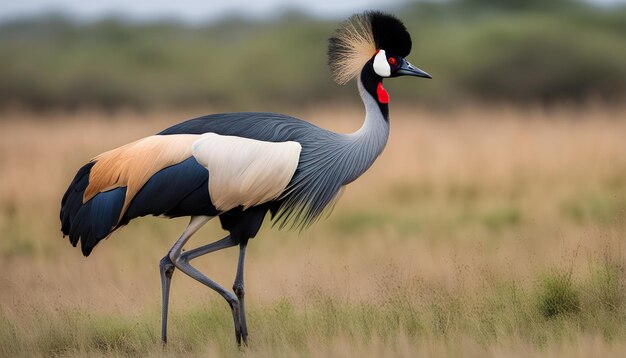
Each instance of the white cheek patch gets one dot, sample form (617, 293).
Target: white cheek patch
(381, 67)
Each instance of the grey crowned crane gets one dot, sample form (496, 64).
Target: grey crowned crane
(240, 166)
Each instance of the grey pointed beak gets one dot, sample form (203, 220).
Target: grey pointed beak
(407, 69)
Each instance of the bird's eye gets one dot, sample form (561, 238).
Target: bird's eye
(392, 60)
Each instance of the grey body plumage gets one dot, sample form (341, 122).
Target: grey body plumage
(311, 165)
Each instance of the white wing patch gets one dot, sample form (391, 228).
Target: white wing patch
(245, 171)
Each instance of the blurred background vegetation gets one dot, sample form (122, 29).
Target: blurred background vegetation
(513, 51)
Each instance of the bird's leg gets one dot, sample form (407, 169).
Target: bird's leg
(167, 270)
(239, 290)
(232, 300)
(207, 249)
(166, 267)
(181, 261)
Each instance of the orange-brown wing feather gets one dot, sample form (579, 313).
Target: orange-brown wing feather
(133, 164)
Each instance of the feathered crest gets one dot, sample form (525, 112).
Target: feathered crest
(358, 39)
(351, 47)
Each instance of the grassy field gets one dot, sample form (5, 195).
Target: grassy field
(478, 232)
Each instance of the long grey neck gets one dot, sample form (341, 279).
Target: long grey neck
(363, 146)
(331, 160)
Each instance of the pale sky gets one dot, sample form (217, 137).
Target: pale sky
(195, 10)
(188, 10)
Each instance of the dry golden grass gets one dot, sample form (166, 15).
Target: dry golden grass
(478, 232)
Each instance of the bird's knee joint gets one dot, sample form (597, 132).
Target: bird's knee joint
(239, 290)
(166, 266)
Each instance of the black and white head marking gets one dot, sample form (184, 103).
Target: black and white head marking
(372, 34)
(380, 64)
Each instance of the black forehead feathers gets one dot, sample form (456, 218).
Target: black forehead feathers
(389, 33)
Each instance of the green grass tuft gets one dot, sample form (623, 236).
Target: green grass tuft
(557, 295)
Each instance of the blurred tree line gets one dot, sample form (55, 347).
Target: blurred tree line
(519, 51)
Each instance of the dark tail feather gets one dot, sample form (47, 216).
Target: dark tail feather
(73, 198)
(94, 220)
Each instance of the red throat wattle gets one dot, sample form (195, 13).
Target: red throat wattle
(383, 96)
